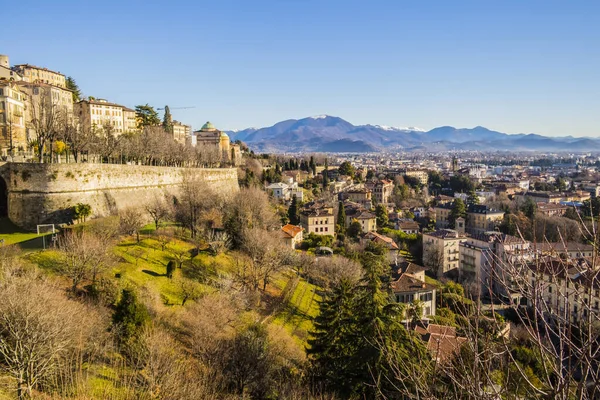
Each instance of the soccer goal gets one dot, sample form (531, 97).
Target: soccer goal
(45, 229)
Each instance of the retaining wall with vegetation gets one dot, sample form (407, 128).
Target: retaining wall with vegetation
(45, 193)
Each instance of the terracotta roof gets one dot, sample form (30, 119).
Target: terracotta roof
(291, 230)
(409, 283)
(411, 268)
(441, 340)
(382, 238)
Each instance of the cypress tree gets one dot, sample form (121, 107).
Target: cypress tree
(341, 218)
(168, 121)
(293, 212)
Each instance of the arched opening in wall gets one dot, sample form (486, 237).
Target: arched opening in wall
(3, 198)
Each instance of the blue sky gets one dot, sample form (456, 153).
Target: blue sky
(514, 66)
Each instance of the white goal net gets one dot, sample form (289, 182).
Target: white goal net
(45, 229)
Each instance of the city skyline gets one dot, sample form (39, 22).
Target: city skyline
(514, 68)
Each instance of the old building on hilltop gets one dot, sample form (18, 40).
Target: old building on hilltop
(211, 139)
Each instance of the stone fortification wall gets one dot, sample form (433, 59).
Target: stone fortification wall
(45, 193)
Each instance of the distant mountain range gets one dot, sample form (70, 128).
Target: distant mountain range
(324, 133)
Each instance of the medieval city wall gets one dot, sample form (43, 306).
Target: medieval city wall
(45, 193)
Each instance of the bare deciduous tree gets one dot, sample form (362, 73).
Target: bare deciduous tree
(83, 256)
(38, 329)
(130, 222)
(267, 254)
(158, 209)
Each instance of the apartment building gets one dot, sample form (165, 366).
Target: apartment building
(381, 190)
(441, 250)
(483, 256)
(421, 174)
(33, 74)
(481, 218)
(361, 196)
(100, 113)
(565, 290)
(13, 130)
(181, 132)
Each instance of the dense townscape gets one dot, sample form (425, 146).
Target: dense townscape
(179, 264)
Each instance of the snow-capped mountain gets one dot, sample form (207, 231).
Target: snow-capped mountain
(334, 134)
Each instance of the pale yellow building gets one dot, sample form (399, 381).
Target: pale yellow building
(318, 219)
(181, 132)
(33, 74)
(97, 114)
(129, 120)
(441, 250)
(13, 130)
(481, 219)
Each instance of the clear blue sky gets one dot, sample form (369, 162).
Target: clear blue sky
(514, 66)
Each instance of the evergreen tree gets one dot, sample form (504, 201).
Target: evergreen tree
(146, 115)
(355, 229)
(167, 121)
(459, 209)
(341, 218)
(325, 177)
(473, 198)
(74, 88)
(376, 327)
(529, 208)
(331, 346)
(129, 318)
(382, 216)
(312, 165)
(294, 212)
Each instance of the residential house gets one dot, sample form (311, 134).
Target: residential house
(407, 226)
(292, 235)
(441, 250)
(442, 342)
(318, 218)
(551, 209)
(388, 242)
(408, 288)
(481, 218)
(359, 195)
(442, 215)
(279, 190)
(354, 211)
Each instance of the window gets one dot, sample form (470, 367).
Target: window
(326, 229)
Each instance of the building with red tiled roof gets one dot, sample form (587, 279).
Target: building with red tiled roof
(441, 341)
(292, 235)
